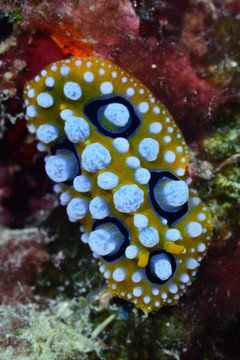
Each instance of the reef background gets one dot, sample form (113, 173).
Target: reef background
(54, 303)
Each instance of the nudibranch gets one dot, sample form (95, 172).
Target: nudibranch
(118, 160)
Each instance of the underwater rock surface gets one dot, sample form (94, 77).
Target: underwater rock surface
(187, 54)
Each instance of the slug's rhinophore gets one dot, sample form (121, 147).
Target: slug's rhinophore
(119, 162)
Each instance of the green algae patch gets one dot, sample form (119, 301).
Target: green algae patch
(222, 191)
(63, 331)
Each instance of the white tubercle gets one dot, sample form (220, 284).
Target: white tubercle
(65, 114)
(31, 111)
(95, 157)
(131, 251)
(117, 114)
(119, 274)
(103, 241)
(60, 167)
(77, 129)
(184, 278)
(72, 90)
(133, 162)
(137, 291)
(191, 264)
(99, 208)
(121, 145)
(128, 198)
(161, 266)
(140, 221)
(149, 237)
(47, 133)
(148, 149)
(193, 229)
(155, 128)
(172, 235)
(174, 193)
(142, 176)
(107, 180)
(82, 183)
(137, 276)
(106, 88)
(50, 82)
(77, 208)
(45, 100)
(201, 247)
(65, 197)
(65, 70)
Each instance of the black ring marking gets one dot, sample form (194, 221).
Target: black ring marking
(67, 145)
(93, 109)
(123, 230)
(150, 274)
(171, 216)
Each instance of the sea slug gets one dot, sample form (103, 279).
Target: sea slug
(119, 162)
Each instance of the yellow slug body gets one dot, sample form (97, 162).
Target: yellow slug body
(119, 161)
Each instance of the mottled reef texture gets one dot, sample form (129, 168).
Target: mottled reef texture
(188, 54)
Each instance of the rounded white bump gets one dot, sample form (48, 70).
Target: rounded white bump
(106, 88)
(101, 71)
(45, 100)
(130, 91)
(201, 217)
(146, 299)
(82, 183)
(65, 114)
(114, 74)
(191, 264)
(32, 128)
(117, 114)
(201, 247)
(57, 188)
(169, 156)
(47, 133)
(77, 208)
(60, 167)
(161, 266)
(156, 110)
(140, 221)
(155, 291)
(172, 235)
(174, 193)
(184, 278)
(88, 76)
(65, 197)
(133, 162)
(179, 149)
(173, 289)
(155, 128)
(119, 274)
(95, 157)
(77, 129)
(31, 93)
(157, 303)
(137, 291)
(180, 171)
(163, 295)
(50, 82)
(167, 139)
(148, 149)
(131, 251)
(137, 276)
(193, 229)
(85, 237)
(72, 90)
(143, 107)
(195, 201)
(54, 68)
(107, 180)
(99, 208)
(107, 274)
(142, 176)
(78, 63)
(103, 241)
(149, 237)
(65, 70)
(128, 198)
(121, 145)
